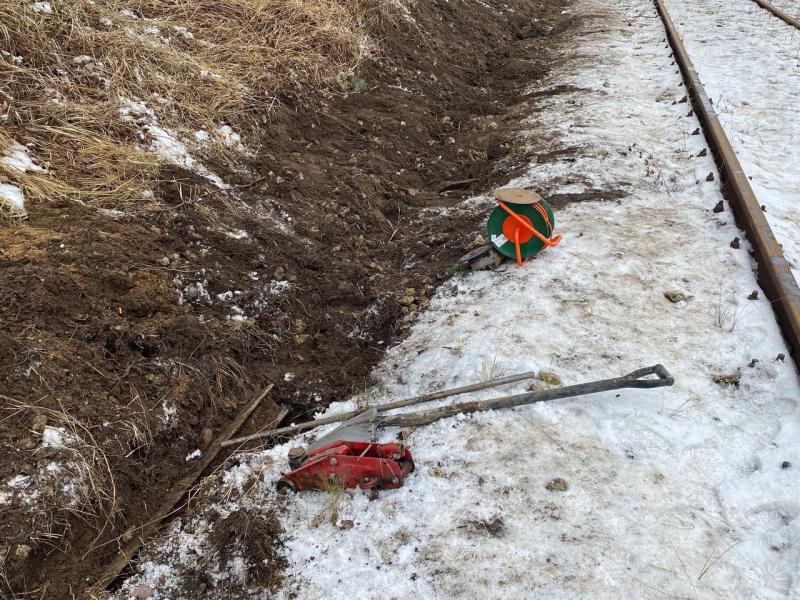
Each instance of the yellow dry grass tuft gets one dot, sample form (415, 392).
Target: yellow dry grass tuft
(72, 71)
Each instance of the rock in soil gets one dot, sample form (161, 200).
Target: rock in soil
(557, 485)
(675, 296)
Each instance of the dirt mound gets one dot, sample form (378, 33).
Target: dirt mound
(135, 338)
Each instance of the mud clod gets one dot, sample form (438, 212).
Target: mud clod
(494, 527)
(675, 296)
(557, 485)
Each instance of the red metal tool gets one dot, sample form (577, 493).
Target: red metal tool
(349, 456)
(349, 463)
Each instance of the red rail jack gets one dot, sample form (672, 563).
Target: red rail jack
(348, 456)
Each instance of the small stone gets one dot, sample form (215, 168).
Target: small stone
(753, 363)
(753, 295)
(703, 152)
(301, 339)
(437, 472)
(206, 436)
(549, 378)
(735, 243)
(278, 273)
(675, 296)
(346, 524)
(781, 357)
(557, 485)
(728, 380)
(710, 177)
(407, 300)
(719, 207)
(413, 192)
(763, 208)
(410, 292)
(696, 131)
(22, 551)
(175, 256)
(142, 592)
(163, 261)
(345, 287)
(479, 241)
(785, 464)
(39, 422)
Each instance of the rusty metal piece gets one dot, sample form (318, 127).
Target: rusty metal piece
(774, 274)
(778, 13)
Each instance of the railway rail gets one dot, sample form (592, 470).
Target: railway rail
(778, 13)
(774, 273)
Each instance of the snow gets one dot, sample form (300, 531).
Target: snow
(43, 7)
(55, 437)
(16, 159)
(239, 234)
(230, 138)
(165, 143)
(755, 88)
(687, 491)
(183, 32)
(13, 195)
(194, 454)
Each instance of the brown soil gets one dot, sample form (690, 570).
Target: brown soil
(101, 318)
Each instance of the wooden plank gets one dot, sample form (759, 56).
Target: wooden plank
(179, 490)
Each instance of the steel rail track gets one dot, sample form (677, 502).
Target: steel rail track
(778, 13)
(774, 274)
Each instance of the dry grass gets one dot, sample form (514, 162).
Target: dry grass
(67, 75)
(85, 476)
(334, 494)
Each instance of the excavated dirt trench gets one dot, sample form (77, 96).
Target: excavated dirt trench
(151, 333)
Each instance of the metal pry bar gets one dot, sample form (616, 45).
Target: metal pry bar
(383, 407)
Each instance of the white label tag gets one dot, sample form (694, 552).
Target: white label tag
(499, 240)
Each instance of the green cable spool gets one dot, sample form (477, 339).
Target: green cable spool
(502, 227)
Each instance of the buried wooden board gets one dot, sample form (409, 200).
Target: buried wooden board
(139, 535)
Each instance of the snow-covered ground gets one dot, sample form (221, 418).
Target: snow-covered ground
(688, 491)
(749, 62)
